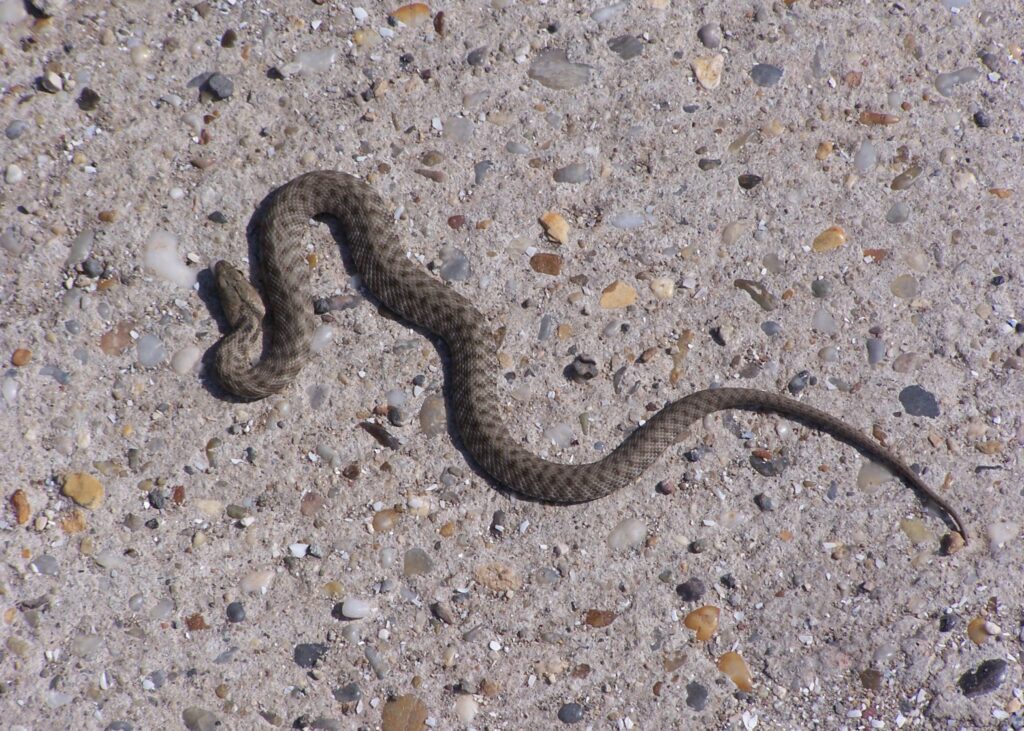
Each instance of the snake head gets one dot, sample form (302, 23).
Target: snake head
(239, 299)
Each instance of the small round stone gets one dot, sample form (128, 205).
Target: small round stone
(691, 590)
(696, 696)
(710, 35)
(570, 713)
(764, 74)
(235, 612)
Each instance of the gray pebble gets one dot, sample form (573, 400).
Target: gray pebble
(865, 157)
(876, 350)
(769, 467)
(553, 69)
(454, 265)
(88, 100)
(821, 288)
(898, 213)
(92, 267)
(219, 86)
(150, 351)
(398, 416)
(919, 402)
(458, 129)
(517, 148)
(771, 328)
(480, 171)
(307, 655)
(626, 46)
(981, 119)
(157, 498)
(377, 664)
(547, 577)
(583, 368)
(417, 562)
(15, 129)
(944, 83)
(696, 695)
(60, 375)
(985, 678)
(199, 719)
(799, 382)
(691, 590)
(576, 172)
(765, 74)
(570, 713)
(45, 564)
(764, 502)
(118, 726)
(709, 35)
(432, 416)
(235, 612)
(547, 328)
(347, 693)
(823, 322)
(477, 56)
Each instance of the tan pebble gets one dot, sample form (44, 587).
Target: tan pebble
(980, 630)
(497, 577)
(663, 288)
(983, 310)
(404, 713)
(616, 295)
(333, 589)
(1002, 193)
(964, 179)
(556, 228)
(952, 543)
(257, 581)
(824, 150)
(830, 239)
(708, 70)
(774, 128)
(734, 666)
(20, 357)
(84, 489)
(73, 522)
(1014, 705)
(878, 118)
(916, 531)
(564, 332)
(447, 530)
(384, 521)
(546, 263)
(366, 38)
(412, 14)
(107, 216)
(599, 617)
(990, 446)
(732, 232)
(872, 256)
(22, 510)
(704, 621)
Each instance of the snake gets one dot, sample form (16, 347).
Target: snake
(285, 324)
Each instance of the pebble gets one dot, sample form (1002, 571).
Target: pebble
(458, 130)
(627, 46)
(703, 621)
(573, 173)
(603, 15)
(307, 63)
(897, 213)
(184, 360)
(432, 416)
(691, 590)
(307, 655)
(764, 502)
(556, 228)
(945, 82)
(821, 288)
(865, 158)
(466, 709)
(199, 719)
(404, 713)
(582, 368)
(545, 263)
(86, 491)
(799, 382)
(416, 563)
(235, 612)
(44, 564)
(731, 232)
(355, 608)
(219, 86)
(771, 328)
(735, 667)
(553, 69)
(629, 220)
(15, 129)
(349, 693)
(829, 239)
(160, 256)
(13, 174)
(498, 577)
(257, 581)
(919, 402)
(907, 178)
(823, 322)
(628, 534)
(617, 295)
(876, 350)
(663, 288)
(985, 678)
(21, 357)
(708, 70)
(150, 351)
(764, 74)
(454, 265)
(80, 248)
(696, 696)
(710, 35)
(570, 713)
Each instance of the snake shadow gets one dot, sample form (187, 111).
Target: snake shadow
(209, 296)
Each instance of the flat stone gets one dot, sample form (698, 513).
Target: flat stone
(616, 295)
(404, 713)
(84, 489)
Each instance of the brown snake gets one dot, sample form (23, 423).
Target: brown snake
(409, 291)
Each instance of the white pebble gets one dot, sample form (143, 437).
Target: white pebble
(185, 359)
(999, 534)
(151, 351)
(176, 194)
(354, 608)
(10, 390)
(466, 708)
(13, 174)
(257, 581)
(321, 337)
(161, 257)
(629, 533)
(360, 14)
(298, 550)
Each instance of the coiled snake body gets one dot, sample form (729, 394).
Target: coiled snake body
(409, 291)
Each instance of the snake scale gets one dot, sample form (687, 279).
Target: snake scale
(410, 292)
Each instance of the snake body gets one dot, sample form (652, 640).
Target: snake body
(410, 292)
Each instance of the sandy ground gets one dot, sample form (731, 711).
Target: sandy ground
(175, 558)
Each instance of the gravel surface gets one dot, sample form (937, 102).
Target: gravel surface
(644, 198)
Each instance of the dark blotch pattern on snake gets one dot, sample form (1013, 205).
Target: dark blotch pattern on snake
(413, 294)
